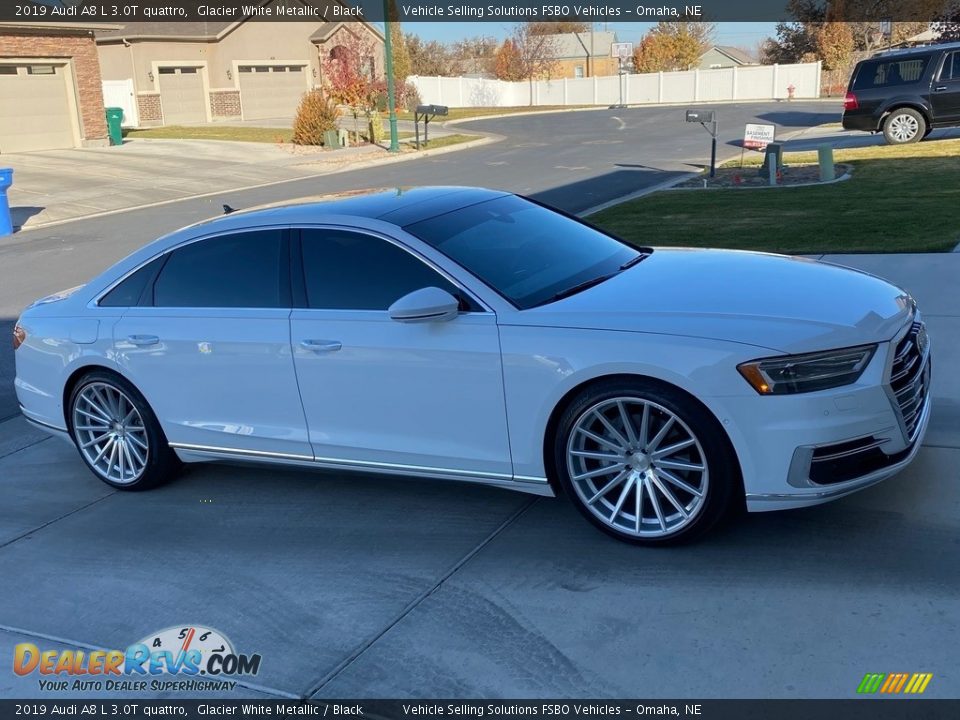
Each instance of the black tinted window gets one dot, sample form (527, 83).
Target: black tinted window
(526, 252)
(239, 270)
(889, 73)
(951, 67)
(351, 271)
(128, 292)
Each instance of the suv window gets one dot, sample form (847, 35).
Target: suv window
(951, 67)
(238, 270)
(352, 271)
(888, 73)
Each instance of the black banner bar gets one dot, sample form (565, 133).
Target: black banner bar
(500, 11)
(866, 709)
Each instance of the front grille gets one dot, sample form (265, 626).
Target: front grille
(910, 378)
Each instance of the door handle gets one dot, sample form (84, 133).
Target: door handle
(143, 340)
(321, 345)
(940, 88)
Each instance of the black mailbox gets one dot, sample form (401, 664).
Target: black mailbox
(701, 116)
(426, 113)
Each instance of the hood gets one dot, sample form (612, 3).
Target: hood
(786, 304)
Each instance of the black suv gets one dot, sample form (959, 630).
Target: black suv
(905, 93)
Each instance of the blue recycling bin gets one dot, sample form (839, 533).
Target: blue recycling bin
(6, 221)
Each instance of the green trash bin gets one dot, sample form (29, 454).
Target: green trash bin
(114, 120)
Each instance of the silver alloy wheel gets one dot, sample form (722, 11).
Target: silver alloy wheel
(110, 433)
(637, 467)
(904, 127)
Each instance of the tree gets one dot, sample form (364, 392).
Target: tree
(428, 58)
(507, 63)
(948, 23)
(558, 28)
(834, 41)
(401, 58)
(348, 79)
(529, 55)
(675, 45)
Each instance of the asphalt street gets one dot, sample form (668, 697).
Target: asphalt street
(354, 586)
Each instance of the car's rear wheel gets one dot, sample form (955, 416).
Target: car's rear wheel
(117, 434)
(904, 125)
(644, 462)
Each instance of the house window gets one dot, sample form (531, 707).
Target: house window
(41, 70)
(8, 69)
(715, 66)
(578, 71)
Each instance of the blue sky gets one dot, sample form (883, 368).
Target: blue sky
(746, 34)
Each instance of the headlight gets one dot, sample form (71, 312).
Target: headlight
(806, 373)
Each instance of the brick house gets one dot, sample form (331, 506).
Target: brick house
(50, 87)
(198, 72)
(584, 54)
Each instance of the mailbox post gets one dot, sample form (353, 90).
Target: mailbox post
(705, 118)
(427, 113)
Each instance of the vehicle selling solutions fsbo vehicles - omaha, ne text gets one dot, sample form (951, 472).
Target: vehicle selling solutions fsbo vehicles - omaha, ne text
(473, 335)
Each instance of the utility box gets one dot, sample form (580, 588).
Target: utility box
(772, 154)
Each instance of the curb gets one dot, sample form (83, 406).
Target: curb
(485, 139)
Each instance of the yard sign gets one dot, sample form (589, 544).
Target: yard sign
(757, 137)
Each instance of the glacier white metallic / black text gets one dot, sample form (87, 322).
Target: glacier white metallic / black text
(474, 335)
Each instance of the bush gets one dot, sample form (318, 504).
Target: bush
(316, 115)
(407, 96)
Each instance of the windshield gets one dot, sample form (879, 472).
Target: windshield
(527, 253)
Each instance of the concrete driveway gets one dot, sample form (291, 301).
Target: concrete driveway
(364, 587)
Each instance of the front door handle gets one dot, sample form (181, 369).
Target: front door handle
(143, 340)
(940, 88)
(321, 345)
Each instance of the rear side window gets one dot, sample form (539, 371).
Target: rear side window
(240, 270)
(890, 73)
(131, 291)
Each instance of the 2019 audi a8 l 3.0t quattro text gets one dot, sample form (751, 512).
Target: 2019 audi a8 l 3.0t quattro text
(474, 335)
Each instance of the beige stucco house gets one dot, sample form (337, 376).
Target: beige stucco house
(195, 72)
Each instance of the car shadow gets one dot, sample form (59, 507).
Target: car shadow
(581, 195)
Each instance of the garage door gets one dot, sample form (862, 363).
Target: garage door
(182, 96)
(34, 110)
(271, 91)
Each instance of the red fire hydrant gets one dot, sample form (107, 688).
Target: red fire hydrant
(791, 89)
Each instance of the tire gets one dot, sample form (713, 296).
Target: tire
(903, 126)
(592, 430)
(117, 434)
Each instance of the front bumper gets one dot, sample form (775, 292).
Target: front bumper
(799, 450)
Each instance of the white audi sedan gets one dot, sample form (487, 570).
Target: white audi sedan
(474, 335)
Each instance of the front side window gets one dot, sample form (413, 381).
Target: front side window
(229, 271)
(889, 73)
(526, 252)
(351, 271)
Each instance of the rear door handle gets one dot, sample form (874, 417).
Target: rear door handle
(940, 88)
(319, 346)
(143, 340)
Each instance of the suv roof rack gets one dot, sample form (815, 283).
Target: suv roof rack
(917, 49)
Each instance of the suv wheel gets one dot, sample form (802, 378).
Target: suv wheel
(903, 126)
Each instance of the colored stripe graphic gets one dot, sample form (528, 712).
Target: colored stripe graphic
(894, 683)
(871, 682)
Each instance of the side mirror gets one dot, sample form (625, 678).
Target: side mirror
(428, 304)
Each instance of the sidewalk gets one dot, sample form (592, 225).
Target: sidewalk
(59, 185)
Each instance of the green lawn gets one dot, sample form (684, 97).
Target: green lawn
(900, 199)
(444, 140)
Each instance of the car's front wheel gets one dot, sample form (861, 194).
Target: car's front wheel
(644, 462)
(117, 434)
(903, 126)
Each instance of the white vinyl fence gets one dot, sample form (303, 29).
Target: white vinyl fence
(753, 82)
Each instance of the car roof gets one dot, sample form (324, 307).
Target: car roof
(918, 50)
(398, 206)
